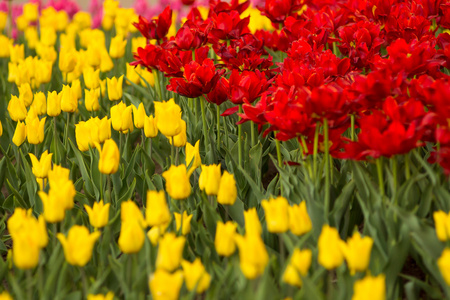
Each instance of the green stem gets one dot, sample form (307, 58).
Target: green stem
(407, 167)
(279, 158)
(108, 198)
(327, 169)
(395, 171)
(196, 110)
(315, 150)
(218, 127)
(142, 139)
(130, 272)
(29, 284)
(84, 282)
(157, 85)
(66, 132)
(180, 232)
(281, 248)
(252, 133)
(352, 121)
(205, 132)
(240, 139)
(380, 175)
(172, 150)
(151, 147)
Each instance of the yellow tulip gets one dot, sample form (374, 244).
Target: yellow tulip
(252, 223)
(35, 131)
(117, 47)
(83, 136)
(298, 265)
(25, 251)
(253, 256)
(16, 53)
(31, 11)
(4, 40)
(168, 118)
(69, 102)
(98, 214)
(180, 139)
(330, 255)
(91, 100)
(193, 156)
(357, 252)
(132, 236)
(41, 167)
(130, 211)
(165, 285)
(150, 128)
(115, 88)
(109, 157)
(147, 77)
(210, 179)
(370, 287)
(58, 175)
(132, 74)
(76, 88)
(227, 193)
(443, 263)
(157, 211)
(1, 129)
(67, 60)
(4, 295)
(45, 72)
(83, 19)
(53, 104)
(299, 220)
(20, 134)
(100, 129)
(17, 109)
(26, 94)
(156, 232)
(3, 20)
(195, 275)
(54, 211)
(91, 78)
(277, 216)
(186, 226)
(40, 103)
(139, 115)
(442, 224)
(177, 182)
(170, 252)
(48, 36)
(78, 245)
(224, 242)
(121, 118)
(108, 296)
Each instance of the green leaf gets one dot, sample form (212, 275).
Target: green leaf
(84, 172)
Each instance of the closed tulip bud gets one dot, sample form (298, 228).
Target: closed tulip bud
(20, 134)
(330, 254)
(25, 251)
(150, 128)
(180, 139)
(76, 88)
(83, 136)
(35, 130)
(253, 257)
(17, 109)
(26, 94)
(225, 238)
(41, 167)
(177, 182)
(193, 156)
(252, 223)
(121, 118)
(54, 211)
(139, 116)
(132, 74)
(98, 214)
(210, 179)
(69, 102)
(39, 104)
(108, 296)
(442, 224)
(444, 265)
(168, 117)
(91, 78)
(53, 104)
(170, 252)
(117, 47)
(186, 220)
(195, 275)
(130, 211)
(115, 88)
(227, 193)
(131, 237)
(91, 100)
(78, 245)
(298, 265)
(370, 287)
(357, 252)
(157, 211)
(109, 157)
(165, 285)
(299, 220)
(68, 60)
(277, 216)
(16, 53)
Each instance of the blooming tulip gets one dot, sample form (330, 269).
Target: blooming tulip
(177, 182)
(91, 100)
(168, 118)
(121, 118)
(109, 157)
(139, 115)
(91, 78)
(330, 255)
(98, 214)
(26, 94)
(442, 224)
(224, 242)
(195, 275)
(69, 102)
(53, 104)
(227, 193)
(78, 245)
(40, 103)
(184, 222)
(17, 109)
(193, 156)
(357, 252)
(370, 287)
(170, 252)
(210, 179)
(157, 211)
(41, 167)
(253, 256)
(165, 285)
(277, 216)
(252, 223)
(115, 88)
(25, 251)
(180, 139)
(150, 128)
(117, 47)
(298, 265)
(35, 130)
(299, 220)
(130, 211)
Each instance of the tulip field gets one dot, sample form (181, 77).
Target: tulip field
(239, 149)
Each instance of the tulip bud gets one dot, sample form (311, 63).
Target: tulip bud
(132, 74)
(98, 214)
(298, 265)
(210, 179)
(227, 193)
(157, 211)
(78, 245)
(165, 285)
(370, 287)
(170, 252)
(139, 115)
(35, 130)
(357, 252)
(180, 139)
(196, 275)
(224, 242)
(150, 128)
(108, 296)
(442, 224)
(41, 167)
(253, 256)
(106, 65)
(277, 216)
(117, 47)
(168, 117)
(121, 118)
(67, 60)
(54, 211)
(91, 100)
(91, 78)
(26, 94)
(193, 156)
(83, 136)
(109, 157)
(177, 182)
(69, 102)
(53, 104)
(39, 103)
(115, 88)
(299, 220)
(76, 88)
(186, 226)
(130, 211)
(20, 134)
(16, 108)
(252, 223)
(131, 237)
(330, 254)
